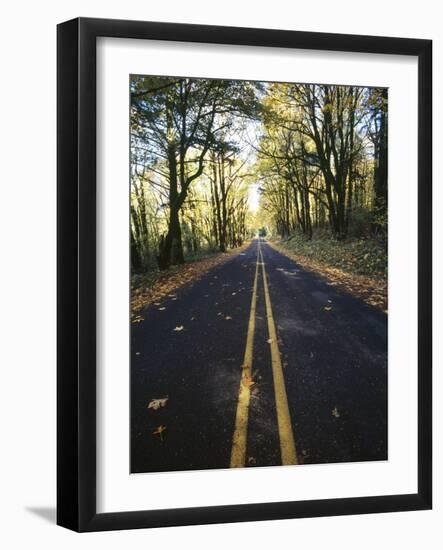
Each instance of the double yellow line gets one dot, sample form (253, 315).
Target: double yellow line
(239, 441)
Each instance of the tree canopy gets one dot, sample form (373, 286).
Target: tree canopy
(317, 154)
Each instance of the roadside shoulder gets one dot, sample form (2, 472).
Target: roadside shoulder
(372, 290)
(153, 286)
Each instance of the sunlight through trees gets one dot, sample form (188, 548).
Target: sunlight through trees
(201, 151)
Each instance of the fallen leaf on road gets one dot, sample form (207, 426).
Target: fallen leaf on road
(157, 403)
(152, 287)
(179, 328)
(157, 304)
(228, 318)
(159, 431)
(247, 381)
(138, 319)
(335, 412)
(161, 308)
(234, 293)
(137, 353)
(327, 308)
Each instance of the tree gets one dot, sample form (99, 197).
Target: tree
(313, 142)
(176, 122)
(377, 131)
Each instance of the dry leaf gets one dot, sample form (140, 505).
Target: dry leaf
(159, 431)
(157, 403)
(161, 308)
(247, 381)
(327, 308)
(228, 317)
(179, 328)
(335, 412)
(138, 319)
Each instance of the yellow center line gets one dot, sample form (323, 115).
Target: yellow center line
(287, 443)
(239, 440)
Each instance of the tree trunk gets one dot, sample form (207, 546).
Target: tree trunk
(381, 168)
(136, 262)
(170, 247)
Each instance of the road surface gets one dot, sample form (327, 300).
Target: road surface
(262, 364)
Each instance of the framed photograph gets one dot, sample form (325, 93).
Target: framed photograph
(244, 274)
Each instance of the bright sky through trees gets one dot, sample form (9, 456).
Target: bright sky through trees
(212, 161)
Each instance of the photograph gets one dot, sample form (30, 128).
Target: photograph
(258, 245)
(229, 241)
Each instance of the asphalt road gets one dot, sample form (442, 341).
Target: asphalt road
(327, 363)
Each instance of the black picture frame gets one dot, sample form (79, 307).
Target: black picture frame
(76, 250)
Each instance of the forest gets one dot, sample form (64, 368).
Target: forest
(216, 162)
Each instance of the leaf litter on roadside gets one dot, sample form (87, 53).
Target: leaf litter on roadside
(149, 288)
(371, 286)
